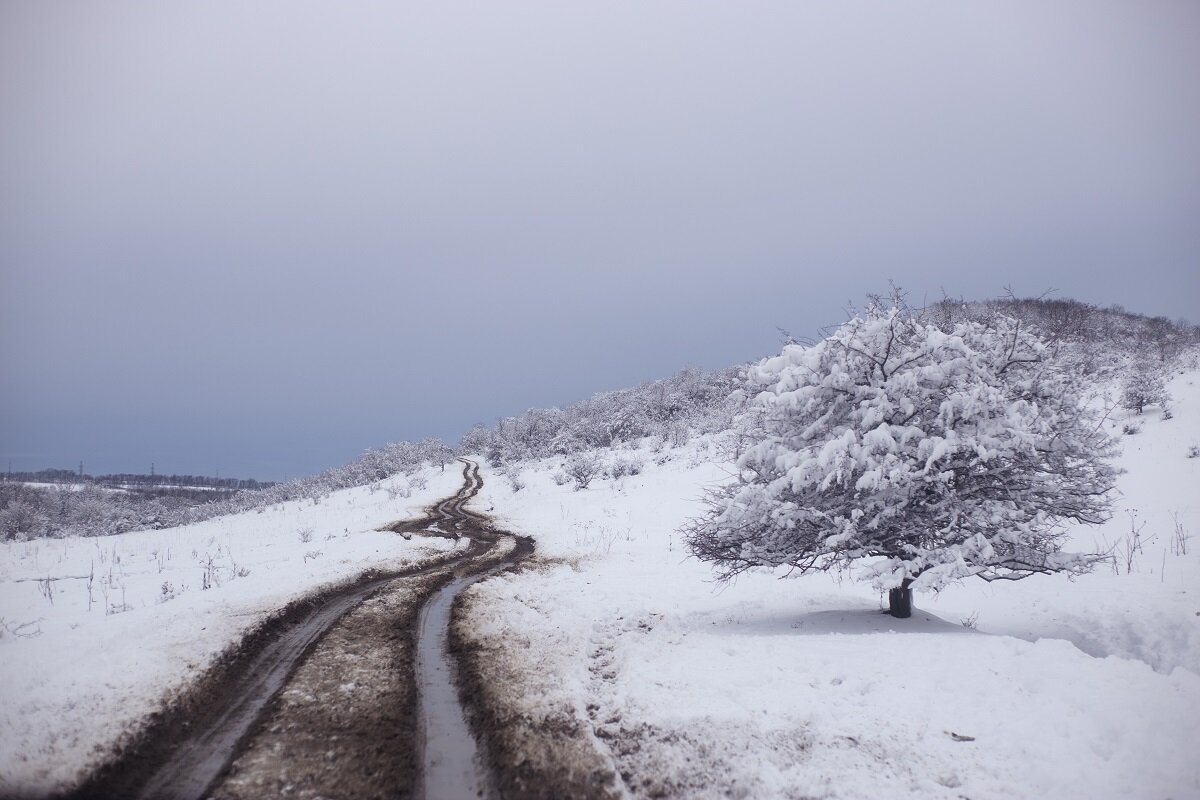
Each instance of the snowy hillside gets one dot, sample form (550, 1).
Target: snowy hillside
(615, 659)
(1046, 687)
(127, 621)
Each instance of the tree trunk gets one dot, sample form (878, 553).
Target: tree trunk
(900, 600)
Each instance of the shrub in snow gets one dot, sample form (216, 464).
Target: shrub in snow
(581, 468)
(621, 467)
(23, 517)
(1142, 388)
(513, 474)
(941, 453)
(1179, 537)
(1194, 451)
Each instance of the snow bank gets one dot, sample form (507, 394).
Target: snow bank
(83, 665)
(768, 688)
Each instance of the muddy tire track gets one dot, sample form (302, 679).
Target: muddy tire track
(321, 700)
(545, 757)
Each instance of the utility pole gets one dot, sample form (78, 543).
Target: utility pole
(80, 470)
(151, 469)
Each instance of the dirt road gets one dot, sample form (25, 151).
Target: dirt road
(324, 700)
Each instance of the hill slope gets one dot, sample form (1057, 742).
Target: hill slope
(673, 686)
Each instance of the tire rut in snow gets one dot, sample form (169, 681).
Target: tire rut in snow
(186, 751)
(344, 724)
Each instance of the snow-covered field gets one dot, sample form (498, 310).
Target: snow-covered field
(127, 621)
(1047, 687)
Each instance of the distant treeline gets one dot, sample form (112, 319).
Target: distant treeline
(1101, 341)
(83, 505)
(127, 480)
(671, 411)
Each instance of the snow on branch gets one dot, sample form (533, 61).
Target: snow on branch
(913, 453)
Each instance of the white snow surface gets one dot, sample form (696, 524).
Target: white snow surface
(801, 687)
(76, 679)
(764, 688)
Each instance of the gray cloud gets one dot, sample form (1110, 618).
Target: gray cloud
(261, 237)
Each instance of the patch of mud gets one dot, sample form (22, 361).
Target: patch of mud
(344, 727)
(447, 517)
(554, 755)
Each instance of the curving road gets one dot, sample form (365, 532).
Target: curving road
(349, 694)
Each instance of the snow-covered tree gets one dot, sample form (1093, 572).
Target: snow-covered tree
(913, 455)
(1143, 387)
(22, 516)
(436, 452)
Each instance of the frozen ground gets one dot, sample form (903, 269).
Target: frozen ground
(802, 688)
(83, 661)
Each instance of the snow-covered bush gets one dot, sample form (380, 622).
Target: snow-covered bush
(942, 454)
(621, 467)
(513, 474)
(673, 409)
(1144, 387)
(1091, 340)
(23, 517)
(581, 468)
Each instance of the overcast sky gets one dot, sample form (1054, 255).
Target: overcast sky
(257, 238)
